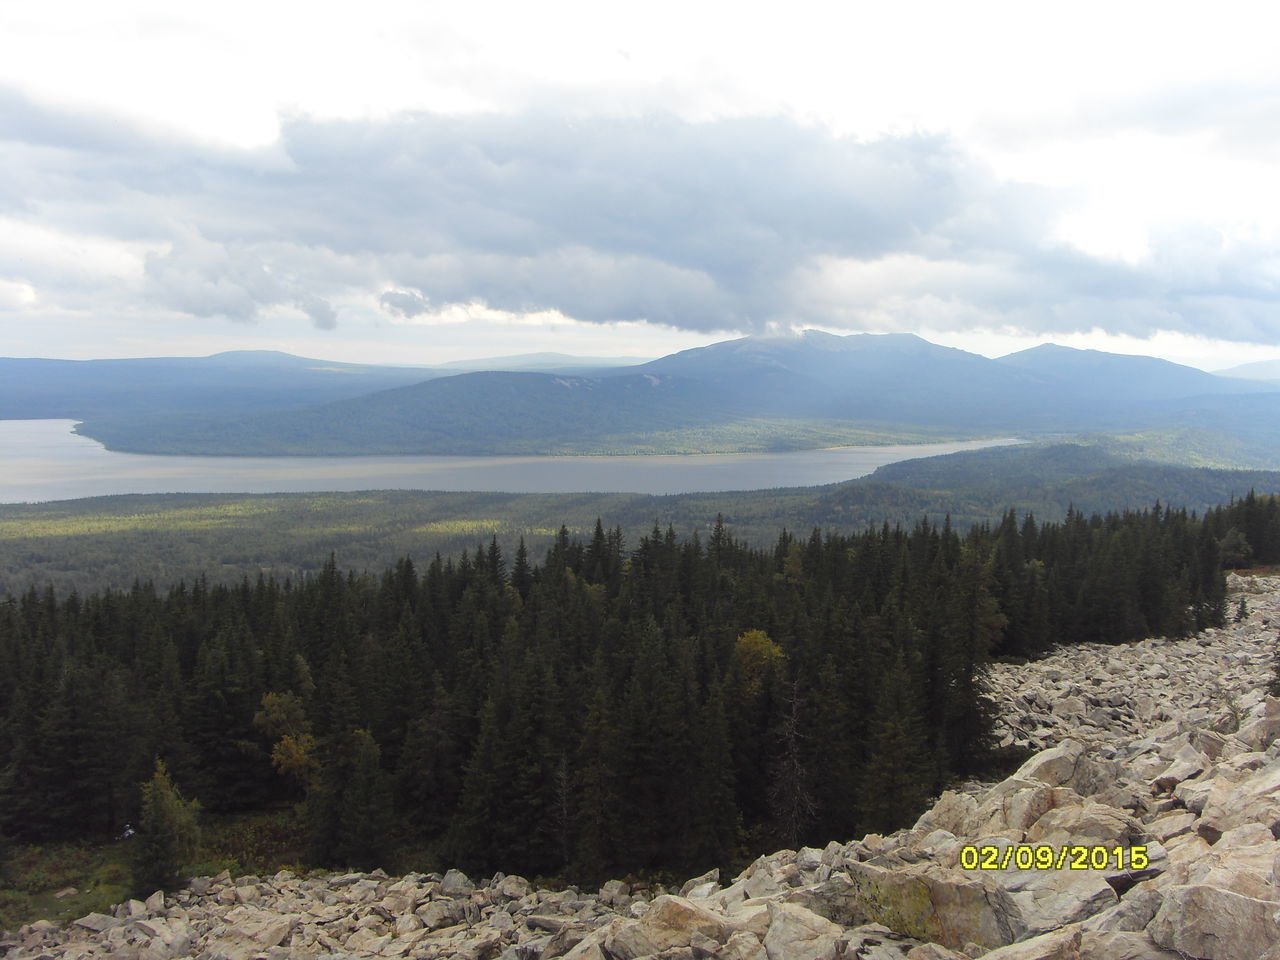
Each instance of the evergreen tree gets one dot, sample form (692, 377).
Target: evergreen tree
(348, 807)
(167, 834)
(897, 779)
(790, 793)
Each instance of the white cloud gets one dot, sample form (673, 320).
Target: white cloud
(991, 166)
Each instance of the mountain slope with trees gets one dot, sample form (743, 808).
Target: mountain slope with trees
(548, 718)
(756, 393)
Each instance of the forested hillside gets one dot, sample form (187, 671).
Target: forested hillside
(616, 708)
(756, 393)
(90, 544)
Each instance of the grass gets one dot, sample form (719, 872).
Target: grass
(259, 843)
(35, 874)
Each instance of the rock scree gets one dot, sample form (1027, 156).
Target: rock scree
(1144, 828)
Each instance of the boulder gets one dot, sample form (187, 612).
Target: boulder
(705, 885)
(937, 905)
(1049, 899)
(1058, 945)
(795, 932)
(97, 922)
(949, 813)
(456, 884)
(1254, 799)
(1215, 924)
(1011, 807)
(836, 899)
(1089, 824)
(1123, 946)
(669, 923)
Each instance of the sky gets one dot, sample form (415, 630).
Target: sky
(424, 182)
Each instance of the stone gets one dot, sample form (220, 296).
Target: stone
(1214, 924)
(949, 813)
(711, 877)
(1123, 946)
(670, 922)
(440, 913)
(1089, 824)
(1058, 945)
(456, 884)
(933, 951)
(407, 924)
(1255, 799)
(1132, 914)
(943, 907)
(795, 932)
(513, 888)
(1049, 899)
(742, 946)
(836, 899)
(97, 922)
(615, 893)
(1056, 766)
(1011, 807)
(1170, 825)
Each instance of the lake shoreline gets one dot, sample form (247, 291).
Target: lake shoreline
(46, 461)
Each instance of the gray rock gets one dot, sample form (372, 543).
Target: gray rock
(1215, 924)
(97, 922)
(795, 932)
(456, 884)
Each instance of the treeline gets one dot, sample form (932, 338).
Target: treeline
(679, 704)
(108, 542)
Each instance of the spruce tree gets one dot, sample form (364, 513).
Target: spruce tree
(349, 805)
(364, 811)
(167, 834)
(897, 778)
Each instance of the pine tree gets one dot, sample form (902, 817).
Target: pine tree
(167, 834)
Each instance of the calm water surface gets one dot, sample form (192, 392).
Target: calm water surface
(44, 460)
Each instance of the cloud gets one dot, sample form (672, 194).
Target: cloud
(406, 303)
(745, 224)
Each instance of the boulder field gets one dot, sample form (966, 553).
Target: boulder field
(1144, 828)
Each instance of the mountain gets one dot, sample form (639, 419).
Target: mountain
(1091, 377)
(1258, 370)
(236, 382)
(469, 413)
(865, 377)
(750, 394)
(540, 362)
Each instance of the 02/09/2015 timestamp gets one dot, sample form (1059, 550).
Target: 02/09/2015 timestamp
(1021, 856)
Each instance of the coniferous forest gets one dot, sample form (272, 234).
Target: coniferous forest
(664, 705)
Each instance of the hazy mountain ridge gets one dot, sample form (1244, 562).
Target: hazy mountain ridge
(754, 393)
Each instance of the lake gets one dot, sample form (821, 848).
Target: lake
(44, 460)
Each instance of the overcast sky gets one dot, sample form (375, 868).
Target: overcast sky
(418, 182)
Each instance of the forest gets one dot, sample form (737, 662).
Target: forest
(108, 542)
(665, 707)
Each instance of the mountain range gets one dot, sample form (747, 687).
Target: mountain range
(754, 393)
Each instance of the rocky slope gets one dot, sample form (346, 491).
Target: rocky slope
(1159, 772)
